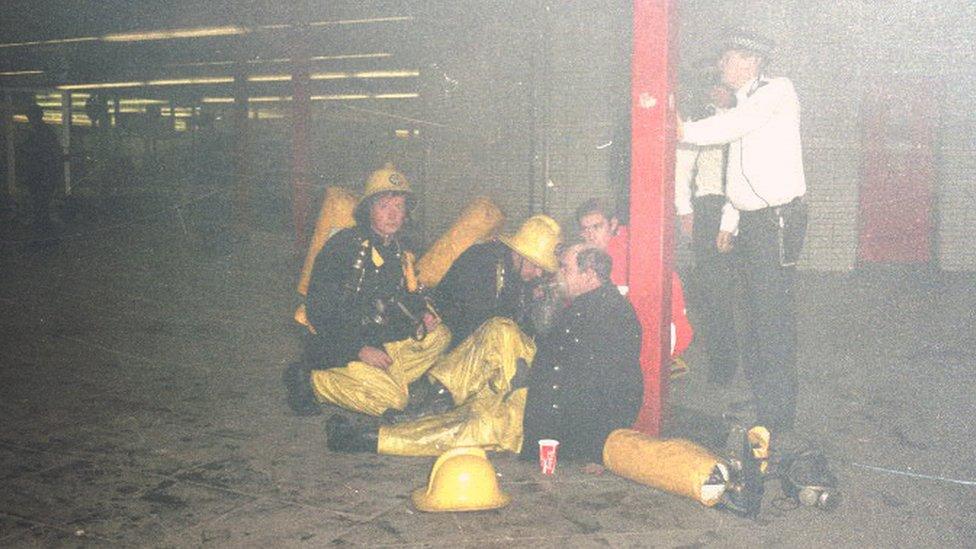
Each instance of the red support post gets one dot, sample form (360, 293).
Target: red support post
(652, 199)
(299, 155)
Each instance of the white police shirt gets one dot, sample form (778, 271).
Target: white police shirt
(699, 165)
(765, 164)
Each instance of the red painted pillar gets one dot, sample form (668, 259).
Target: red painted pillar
(299, 154)
(652, 198)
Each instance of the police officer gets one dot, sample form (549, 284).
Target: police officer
(372, 337)
(765, 184)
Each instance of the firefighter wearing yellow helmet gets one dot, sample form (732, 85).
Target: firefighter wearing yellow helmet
(372, 335)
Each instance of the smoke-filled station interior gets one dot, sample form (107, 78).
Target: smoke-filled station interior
(147, 327)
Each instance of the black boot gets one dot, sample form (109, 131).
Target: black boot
(343, 436)
(426, 399)
(298, 390)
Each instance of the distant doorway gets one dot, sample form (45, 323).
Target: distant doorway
(896, 210)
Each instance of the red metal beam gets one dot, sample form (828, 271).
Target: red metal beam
(652, 198)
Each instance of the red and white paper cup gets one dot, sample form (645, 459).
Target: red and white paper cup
(547, 455)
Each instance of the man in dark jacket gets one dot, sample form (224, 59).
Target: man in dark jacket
(586, 379)
(497, 278)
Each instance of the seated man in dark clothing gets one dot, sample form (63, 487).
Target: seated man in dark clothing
(585, 382)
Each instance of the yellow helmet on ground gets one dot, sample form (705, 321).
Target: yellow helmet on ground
(536, 240)
(386, 179)
(462, 479)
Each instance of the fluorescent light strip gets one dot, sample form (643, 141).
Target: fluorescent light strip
(140, 102)
(57, 96)
(199, 32)
(20, 73)
(361, 21)
(271, 99)
(363, 74)
(396, 96)
(100, 86)
(269, 78)
(49, 42)
(189, 81)
(338, 97)
(350, 56)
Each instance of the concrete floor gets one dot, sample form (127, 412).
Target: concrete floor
(141, 406)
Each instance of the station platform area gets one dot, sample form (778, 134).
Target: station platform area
(141, 405)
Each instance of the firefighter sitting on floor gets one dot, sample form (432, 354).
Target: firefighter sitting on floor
(485, 300)
(372, 335)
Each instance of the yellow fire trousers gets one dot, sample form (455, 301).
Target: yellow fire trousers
(359, 387)
(478, 373)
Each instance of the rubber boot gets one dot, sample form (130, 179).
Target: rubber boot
(298, 390)
(431, 400)
(343, 436)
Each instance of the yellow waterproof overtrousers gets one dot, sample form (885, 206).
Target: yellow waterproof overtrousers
(478, 373)
(363, 388)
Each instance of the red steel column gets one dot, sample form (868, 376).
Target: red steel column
(299, 154)
(652, 198)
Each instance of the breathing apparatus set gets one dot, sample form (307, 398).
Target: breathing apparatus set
(804, 476)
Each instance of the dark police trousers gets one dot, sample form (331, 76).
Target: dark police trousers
(769, 239)
(713, 290)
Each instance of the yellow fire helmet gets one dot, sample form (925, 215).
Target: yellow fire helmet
(462, 479)
(386, 179)
(536, 240)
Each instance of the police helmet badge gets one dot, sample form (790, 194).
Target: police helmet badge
(396, 179)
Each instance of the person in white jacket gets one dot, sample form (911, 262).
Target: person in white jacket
(765, 185)
(699, 200)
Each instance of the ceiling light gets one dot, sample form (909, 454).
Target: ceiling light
(271, 99)
(396, 95)
(338, 97)
(350, 56)
(199, 32)
(49, 42)
(269, 78)
(100, 86)
(363, 74)
(188, 81)
(361, 21)
(140, 102)
(20, 73)
(386, 74)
